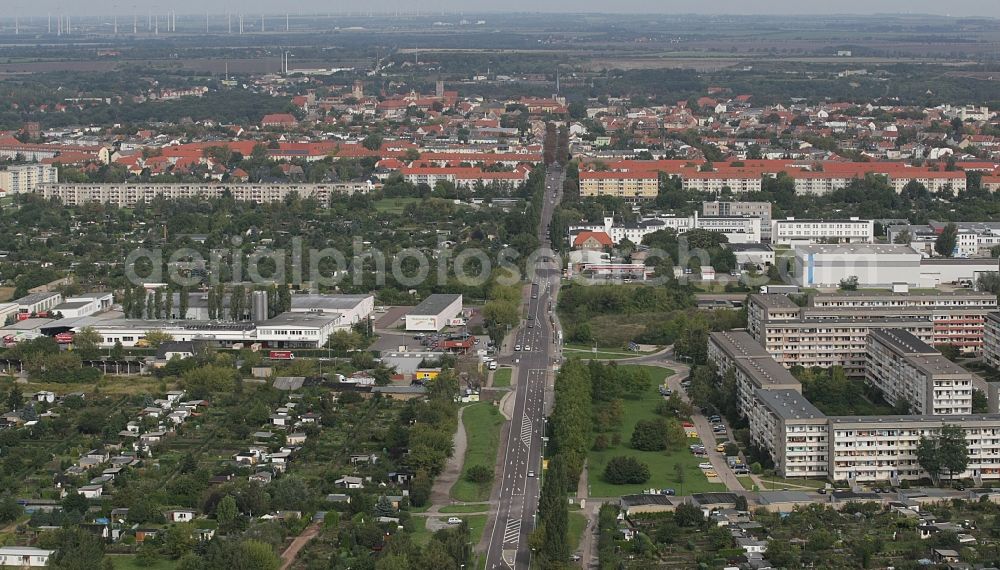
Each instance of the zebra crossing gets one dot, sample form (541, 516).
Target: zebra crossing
(526, 431)
(512, 532)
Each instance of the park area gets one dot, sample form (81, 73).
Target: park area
(664, 473)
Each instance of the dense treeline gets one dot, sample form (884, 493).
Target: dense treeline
(572, 418)
(692, 250)
(582, 302)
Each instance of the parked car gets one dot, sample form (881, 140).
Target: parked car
(711, 473)
(705, 465)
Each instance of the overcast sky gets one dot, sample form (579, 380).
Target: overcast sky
(989, 8)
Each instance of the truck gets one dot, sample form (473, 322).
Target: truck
(64, 338)
(281, 355)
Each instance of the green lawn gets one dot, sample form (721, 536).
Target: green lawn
(501, 377)
(661, 464)
(127, 562)
(394, 205)
(747, 482)
(577, 525)
(793, 483)
(482, 427)
(473, 508)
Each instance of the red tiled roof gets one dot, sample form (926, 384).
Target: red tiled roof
(602, 238)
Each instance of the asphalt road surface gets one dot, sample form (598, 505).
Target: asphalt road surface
(518, 484)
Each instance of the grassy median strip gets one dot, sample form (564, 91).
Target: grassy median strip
(482, 428)
(465, 509)
(577, 525)
(501, 378)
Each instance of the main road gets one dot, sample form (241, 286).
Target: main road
(516, 491)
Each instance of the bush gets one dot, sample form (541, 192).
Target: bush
(649, 435)
(479, 474)
(624, 470)
(601, 443)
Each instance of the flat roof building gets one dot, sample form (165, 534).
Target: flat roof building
(792, 431)
(38, 302)
(833, 331)
(434, 313)
(875, 265)
(908, 371)
(752, 366)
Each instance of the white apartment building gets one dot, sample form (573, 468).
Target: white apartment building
(803, 442)
(792, 431)
(867, 448)
(824, 336)
(760, 210)
(128, 194)
(24, 178)
(957, 317)
(736, 352)
(991, 340)
(947, 300)
(839, 323)
(818, 183)
(793, 232)
(935, 181)
(715, 182)
(905, 369)
(630, 186)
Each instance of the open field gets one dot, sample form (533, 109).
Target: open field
(661, 463)
(109, 385)
(394, 205)
(482, 427)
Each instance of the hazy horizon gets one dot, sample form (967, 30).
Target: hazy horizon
(956, 8)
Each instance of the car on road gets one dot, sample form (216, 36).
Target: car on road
(705, 465)
(517, 347)
(531, 473)
(721, 448)
(454, 520)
